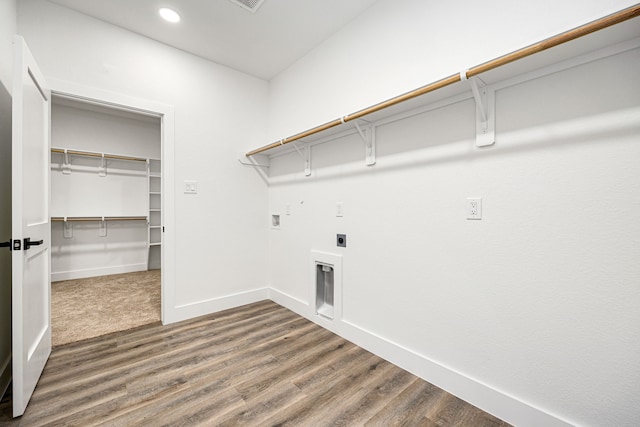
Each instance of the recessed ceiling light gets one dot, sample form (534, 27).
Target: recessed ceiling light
(169, 15)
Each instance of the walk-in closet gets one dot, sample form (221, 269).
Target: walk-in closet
(106, 232)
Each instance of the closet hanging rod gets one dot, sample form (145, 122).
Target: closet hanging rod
(591, 27)
(92, 154)
(98, 218)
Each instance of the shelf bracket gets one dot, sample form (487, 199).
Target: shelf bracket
(102, 170)
(306, 158)
(259, 162)
(485, 112)
(251, 163)
(66, 164)
(102, 232)
(67, 229)
(368, 136)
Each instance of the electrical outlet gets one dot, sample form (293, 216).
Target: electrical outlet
(474, 208)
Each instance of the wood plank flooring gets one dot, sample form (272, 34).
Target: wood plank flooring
(94, 306)
(257, 365)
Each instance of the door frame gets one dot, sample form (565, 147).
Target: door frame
(90, 95)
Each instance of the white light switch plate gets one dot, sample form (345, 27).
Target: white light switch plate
(191, 187)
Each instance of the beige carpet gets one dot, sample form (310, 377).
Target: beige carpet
(86, 308)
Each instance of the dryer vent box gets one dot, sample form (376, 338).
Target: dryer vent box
(324, 290)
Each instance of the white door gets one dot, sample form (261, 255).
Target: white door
(31, 230)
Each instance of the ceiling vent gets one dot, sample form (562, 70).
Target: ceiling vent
(250, 5)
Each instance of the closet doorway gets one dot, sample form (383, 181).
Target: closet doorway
(107, 219)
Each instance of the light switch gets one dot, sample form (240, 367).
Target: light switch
(191, 187)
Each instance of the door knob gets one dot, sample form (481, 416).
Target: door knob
(6, 244)
(28, 243)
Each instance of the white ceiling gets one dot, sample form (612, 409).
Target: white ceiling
(263, 43)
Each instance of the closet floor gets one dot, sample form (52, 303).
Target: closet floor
(95, 306)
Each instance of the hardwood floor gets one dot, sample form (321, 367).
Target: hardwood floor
(260, 365)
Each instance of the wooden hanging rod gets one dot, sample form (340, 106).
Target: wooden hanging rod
(600, 24)
(98, 218)
(92, 154)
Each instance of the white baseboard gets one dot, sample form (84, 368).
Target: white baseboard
(485, 397)
(5, 375)
(94, 272)
(292, 303)
(201, 308)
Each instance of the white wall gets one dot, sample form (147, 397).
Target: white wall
(83, 192)
(88, 128)
(218, 114)
(530, 313)
(7, 31)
